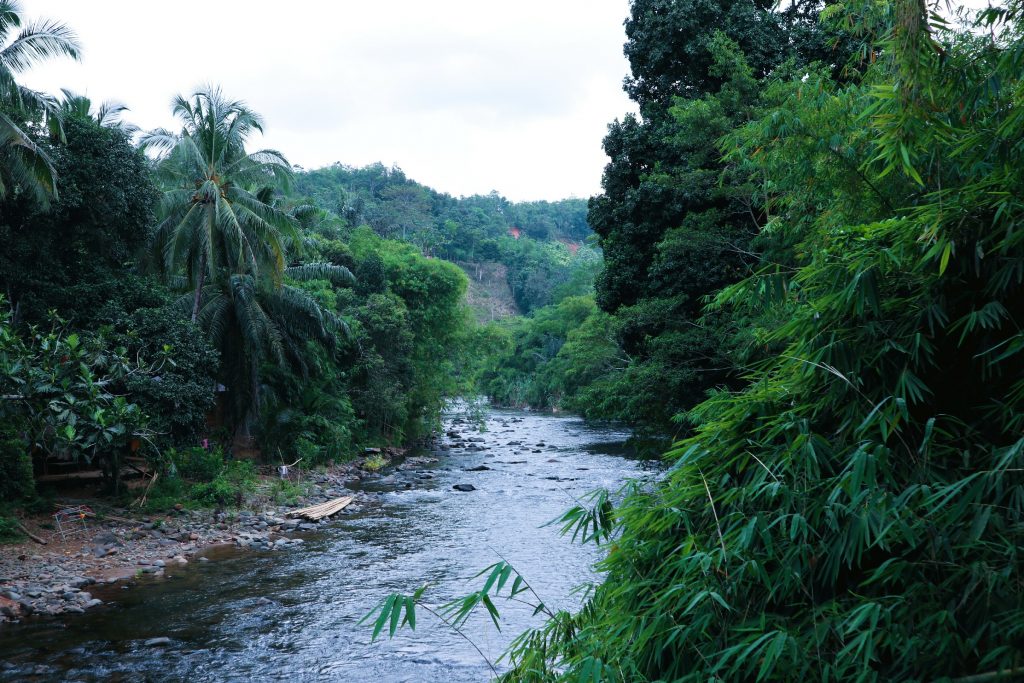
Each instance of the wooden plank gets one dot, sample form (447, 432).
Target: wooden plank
(321, 510)
(87, 474)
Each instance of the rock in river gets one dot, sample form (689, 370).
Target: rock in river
(464, 487)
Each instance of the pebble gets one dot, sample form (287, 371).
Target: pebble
(54, 583)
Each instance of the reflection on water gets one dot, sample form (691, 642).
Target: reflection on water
(293, 615)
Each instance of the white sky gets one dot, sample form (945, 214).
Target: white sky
(465, 95)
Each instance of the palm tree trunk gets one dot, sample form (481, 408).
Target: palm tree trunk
(199, 288)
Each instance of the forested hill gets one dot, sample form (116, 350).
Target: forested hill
(541, 248)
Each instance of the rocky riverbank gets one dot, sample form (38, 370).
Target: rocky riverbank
(123, 545)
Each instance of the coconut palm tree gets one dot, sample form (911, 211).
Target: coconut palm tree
(215, 210)
(23, 163)
(108, 114)
(252, 320)
(225, 232)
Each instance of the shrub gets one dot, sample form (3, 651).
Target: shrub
(229, 487)
(284, 492)
(16, 481)
(375, 462)
(197, 463)
(9, 531)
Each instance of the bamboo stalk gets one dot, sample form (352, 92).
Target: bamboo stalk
(321, 510)
(142, 501)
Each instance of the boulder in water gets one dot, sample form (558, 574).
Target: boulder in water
(464, 487)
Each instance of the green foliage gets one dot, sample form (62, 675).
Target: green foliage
(541, 243)
(224, 235)
(531, 369)
(375, 462)
(179, 393)
(16, 481)
(9, 531)
(236, 479)
(407, 339)
(398, 610)
(166, 493)
(197, 464)
(589, 524)
(674, 222)
(25, 168)
(854, 512)
(75, 255)
(64, 395)
(197, 477)
(285, 492)
(395, 612)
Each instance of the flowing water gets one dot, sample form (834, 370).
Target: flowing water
(294, 615)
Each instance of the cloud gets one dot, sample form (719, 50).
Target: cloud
(465, 96)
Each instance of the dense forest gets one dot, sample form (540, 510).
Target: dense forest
(543, 246)
(812, 267)
(171, 287)
(812, 255)
(805, 267)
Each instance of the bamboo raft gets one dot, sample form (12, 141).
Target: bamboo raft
(317, 512)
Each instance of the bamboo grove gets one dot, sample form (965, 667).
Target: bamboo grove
(854, 512)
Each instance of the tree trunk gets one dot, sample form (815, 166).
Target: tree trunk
(199, 288)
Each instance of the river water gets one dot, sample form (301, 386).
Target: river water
(294, 615)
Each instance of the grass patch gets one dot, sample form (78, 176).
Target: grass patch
(216, 483)
(375, 462)
(9, 531)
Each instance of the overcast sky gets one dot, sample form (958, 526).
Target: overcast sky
(467, 96)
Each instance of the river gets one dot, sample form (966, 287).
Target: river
(294, 615)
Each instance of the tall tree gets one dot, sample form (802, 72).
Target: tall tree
(107, 114)
(76, 254)
(24, 165)
(224, 229)
(674, 229)
(214, 214)
(855, 513)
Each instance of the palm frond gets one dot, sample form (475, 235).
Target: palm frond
(37, 42)
(336, 275)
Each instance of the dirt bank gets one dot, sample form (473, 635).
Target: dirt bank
(122, 545)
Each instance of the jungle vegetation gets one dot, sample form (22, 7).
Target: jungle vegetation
(827, 201)
(163, 288)
(810, 273)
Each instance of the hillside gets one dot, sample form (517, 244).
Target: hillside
(543, 248)
(489, 295)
